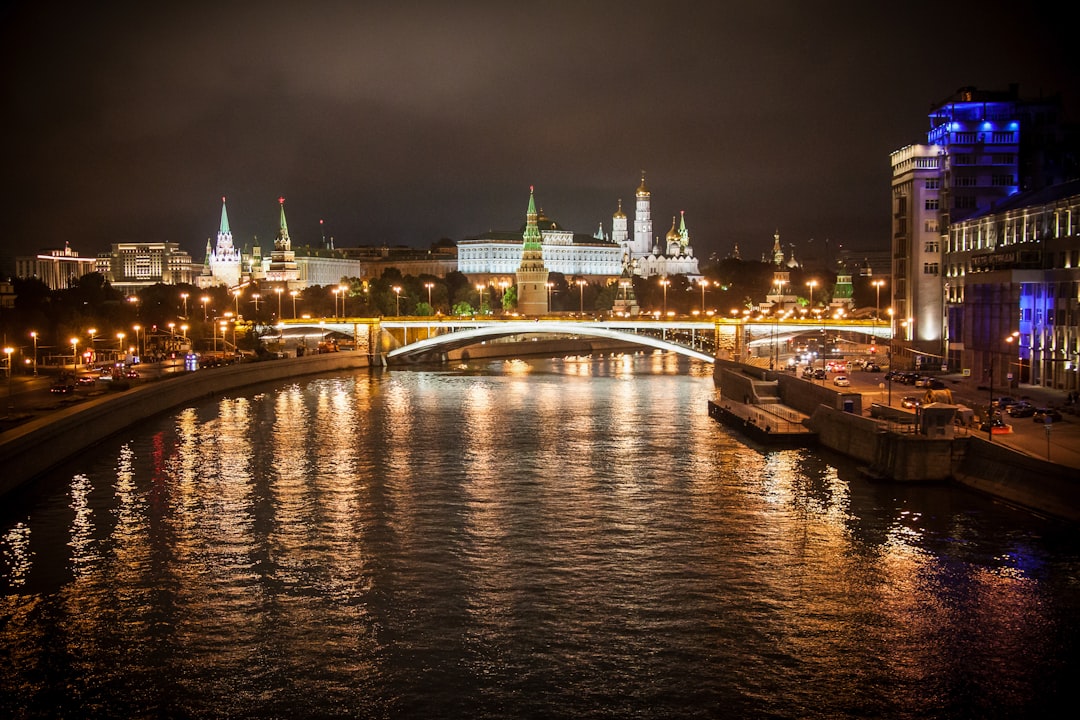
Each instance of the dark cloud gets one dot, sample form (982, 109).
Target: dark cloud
(407, 122)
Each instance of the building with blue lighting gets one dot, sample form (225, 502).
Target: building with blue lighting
(1012, 289)
(982, 147)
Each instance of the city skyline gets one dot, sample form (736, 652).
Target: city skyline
(407, 125)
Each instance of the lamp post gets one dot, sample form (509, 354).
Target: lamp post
(429, 286)
(480, 289)
(581, 297)
(811, 284)
(204, 300)
(74, 354)
(293, 293)
(664, 282)
(877, 306)
(704, 284)
(7, 352)
(255, 299)
(138, 344)
(342, 290)
(120, 344)
(279, 290)
(184, 297)
(549, 286)
(236, 298)
(33, 334)
(397, 300)
(335, 291)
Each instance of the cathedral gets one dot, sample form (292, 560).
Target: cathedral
(644, 253)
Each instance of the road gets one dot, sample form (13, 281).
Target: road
(1060, 443)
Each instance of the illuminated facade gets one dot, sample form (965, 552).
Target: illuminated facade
(281, 266)
(1013, 290)
(970, 162)
(59, 269)
(131, 266)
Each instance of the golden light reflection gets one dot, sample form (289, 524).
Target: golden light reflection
(17, 554)
(83, 556)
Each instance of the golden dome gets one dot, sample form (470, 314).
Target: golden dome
(673, 234)
(619, 213)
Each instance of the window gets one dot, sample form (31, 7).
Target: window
(964, 202)
(932, 183)
(963, 159)
(1002, 180)
(931, 226)
(931, 204)
(930, 268)
(931, 246)
(1003, 137)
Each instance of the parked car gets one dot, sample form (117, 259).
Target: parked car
(1004, 401)
(1046, 415)
(1021, 409)
(871, 367)
(996, 426)
(808, 372)
(922, 381)
(841, 381)
(910, 402)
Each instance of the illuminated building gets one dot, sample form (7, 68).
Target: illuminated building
(1012, 277)
(59, 269)
(223, 261)
(645, 254)
(130, 266)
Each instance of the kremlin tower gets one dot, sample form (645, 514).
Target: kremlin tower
(532, 275)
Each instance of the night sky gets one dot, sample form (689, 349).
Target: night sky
(406, 122)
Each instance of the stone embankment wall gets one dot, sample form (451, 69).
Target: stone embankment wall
(42, 444)
(1028, 481)
(893, 455)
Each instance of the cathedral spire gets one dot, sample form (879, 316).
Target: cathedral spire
(532, 237)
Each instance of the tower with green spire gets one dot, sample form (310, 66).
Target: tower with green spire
(532, 275)
(282, 267)
(223, 260)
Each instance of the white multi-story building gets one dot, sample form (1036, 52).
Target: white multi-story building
(58, 269)
(130, 266)
(969, 162)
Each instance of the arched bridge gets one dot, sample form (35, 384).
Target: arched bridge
(409, 339)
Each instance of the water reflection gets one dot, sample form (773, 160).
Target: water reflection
(564, 538)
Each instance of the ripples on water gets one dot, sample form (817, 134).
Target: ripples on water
(568, 538)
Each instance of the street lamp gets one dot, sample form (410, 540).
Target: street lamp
(33, 334)
(279, 290)
(205, 300)
(119, 344)
(480, 289)
(74, 354)
(138, 345)
(664, 282)
(397, 300)
(342, 289)
(581, 297)
(184, 297)
(335, 291)
(429, 286)
(236, 296)
(704, 284)
(811, 284)
(293, 293)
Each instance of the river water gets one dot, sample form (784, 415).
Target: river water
(566, 538)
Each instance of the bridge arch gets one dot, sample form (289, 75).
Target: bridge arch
(445, 342)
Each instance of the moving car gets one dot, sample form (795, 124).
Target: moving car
(841, 381)
(62, 388)
(819, 374)
(910, 402)
(1046, 415)
(86, 380)
(871, 367)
